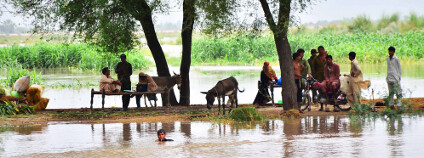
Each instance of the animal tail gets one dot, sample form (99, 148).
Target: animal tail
(241, 91)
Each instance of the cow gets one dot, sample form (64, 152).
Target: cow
(226, 87)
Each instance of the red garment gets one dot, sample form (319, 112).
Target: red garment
(331, 75)
(331, 72)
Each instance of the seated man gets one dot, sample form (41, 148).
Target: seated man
(108, 83)
(145, 83)
(331, 81)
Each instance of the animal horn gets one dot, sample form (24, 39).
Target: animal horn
(204, 92)
(174, 72)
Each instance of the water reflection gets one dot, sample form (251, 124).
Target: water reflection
(314, 136)
(395, 129)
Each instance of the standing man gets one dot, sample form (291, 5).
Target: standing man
(310, 61)
(355, 78)
(297, 69)
(393, 77)
(124, 71)
(307, 70)
(318, 64)
(313, 55)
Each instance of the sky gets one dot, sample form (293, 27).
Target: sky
(322, 10)
(331, 10)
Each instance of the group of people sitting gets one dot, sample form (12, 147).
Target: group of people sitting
(322, 68)
(124, 71)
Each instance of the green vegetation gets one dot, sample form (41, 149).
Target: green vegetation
(16, 73)
(10, 108)
(370, 47)
(57, 55)
(366, 111)
(245, 114)
(368, 39)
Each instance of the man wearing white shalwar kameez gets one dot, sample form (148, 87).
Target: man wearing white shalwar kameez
(108, 83)
(355, 78)
(393, 77)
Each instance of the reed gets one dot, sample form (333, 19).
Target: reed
(59, 55)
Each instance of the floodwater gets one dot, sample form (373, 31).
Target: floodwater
(204, 78)
(312, 136)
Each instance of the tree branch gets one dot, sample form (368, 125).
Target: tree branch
(268, 15)
(283, 16)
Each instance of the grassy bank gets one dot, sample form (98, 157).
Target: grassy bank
(59, 55)
(370, 47)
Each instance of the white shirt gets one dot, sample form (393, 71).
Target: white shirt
(393, 70)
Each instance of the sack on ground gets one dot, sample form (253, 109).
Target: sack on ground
(34, 93)
(42, 104)
(22, 84)
(344, 85)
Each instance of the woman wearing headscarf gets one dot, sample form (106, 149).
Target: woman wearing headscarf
(145, 83)
(268, 77)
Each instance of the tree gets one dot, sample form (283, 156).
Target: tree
(112, 23)
(189, 12)
(214, 15)
(280, 31)
(108, 23)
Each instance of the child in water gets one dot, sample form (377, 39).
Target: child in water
(162, 135)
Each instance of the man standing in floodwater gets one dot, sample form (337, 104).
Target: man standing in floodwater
(393, 76)
(124, 71)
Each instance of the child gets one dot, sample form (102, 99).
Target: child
(162, 135)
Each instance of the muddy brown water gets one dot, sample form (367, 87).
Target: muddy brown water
(204, 78)
(312, 136)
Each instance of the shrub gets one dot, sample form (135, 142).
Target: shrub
(245, 114)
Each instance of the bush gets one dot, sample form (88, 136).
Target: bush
(245, 114)
(16, 73)
(58, 55)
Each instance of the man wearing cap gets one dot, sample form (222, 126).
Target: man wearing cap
(124, 71)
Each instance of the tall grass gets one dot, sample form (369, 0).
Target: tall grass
(58, 55)
(370, 47)
(17, 72)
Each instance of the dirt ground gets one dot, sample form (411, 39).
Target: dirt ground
(162, 114)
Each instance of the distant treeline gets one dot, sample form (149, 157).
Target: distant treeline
(9, 27)
(363, 24)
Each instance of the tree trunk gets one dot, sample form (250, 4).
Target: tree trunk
(142, 12)
(286, 67)
(280, 30)
(186, 35)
